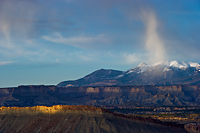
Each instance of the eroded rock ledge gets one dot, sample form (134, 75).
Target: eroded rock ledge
(77, 118)
(83, 109)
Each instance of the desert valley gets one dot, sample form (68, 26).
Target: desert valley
(106, 90)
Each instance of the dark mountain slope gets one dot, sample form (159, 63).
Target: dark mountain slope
(98, 78)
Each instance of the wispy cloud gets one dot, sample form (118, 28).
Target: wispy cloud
(6, 63)
(83, 24)
(83, 56)
(29, 19)
(132, 58)
(81, 41)
(153, 42)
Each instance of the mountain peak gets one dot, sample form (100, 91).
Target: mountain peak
(160, 73)
(142, 64)
(180, 65)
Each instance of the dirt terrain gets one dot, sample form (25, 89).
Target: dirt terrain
(80, 119)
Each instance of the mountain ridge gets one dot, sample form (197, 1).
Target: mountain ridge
(160, 73)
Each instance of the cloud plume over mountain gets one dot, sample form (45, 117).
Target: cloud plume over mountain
(153, 42)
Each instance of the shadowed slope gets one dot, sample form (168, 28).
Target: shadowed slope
(78, 119)
(122, 96)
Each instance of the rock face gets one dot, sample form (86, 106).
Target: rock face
(192, 127)
(123, 96)
(77, 119)
(161, 73)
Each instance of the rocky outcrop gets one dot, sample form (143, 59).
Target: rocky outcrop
(78, 119)
(166, 100)
(56, 109)
(175, 95)
(193, 127)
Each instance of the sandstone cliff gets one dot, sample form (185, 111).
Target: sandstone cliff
(173, 95)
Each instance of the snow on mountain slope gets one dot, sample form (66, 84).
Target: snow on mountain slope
(160, 73)
(138, 69)
(178, 64)
(166, 65)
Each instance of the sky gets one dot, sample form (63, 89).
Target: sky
(46, 42)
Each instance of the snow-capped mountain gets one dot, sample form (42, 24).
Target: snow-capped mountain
(160, 73)
(165, 66)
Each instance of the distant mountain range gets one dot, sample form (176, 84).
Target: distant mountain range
(161, 73)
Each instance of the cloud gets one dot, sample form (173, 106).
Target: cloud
(6, 63)
(154, 44)
(132, 58)
(51, 24)
(23, 19)
(11, 13)
(21, 24)
(134, 27)
(81, 41)
(83, 56)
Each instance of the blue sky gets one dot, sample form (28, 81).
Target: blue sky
(45, 42)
